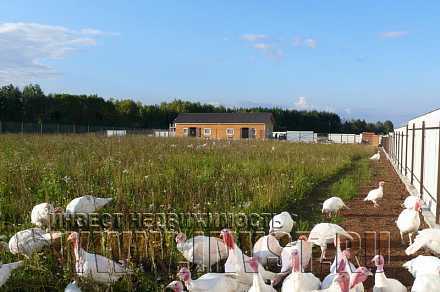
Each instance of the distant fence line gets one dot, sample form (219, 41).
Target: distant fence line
(312, 137)
(415, 151)
(53, 128)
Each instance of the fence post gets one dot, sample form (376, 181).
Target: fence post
(1, 127)
(22, 127)
(406, 151)
(437, 213)
(412, 152)
(422, 160)
(392, 146)
(41, 128)
(398, 150)
(401, 153)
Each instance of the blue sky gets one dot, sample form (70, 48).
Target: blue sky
(374, 60)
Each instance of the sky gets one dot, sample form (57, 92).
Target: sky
(374, 60)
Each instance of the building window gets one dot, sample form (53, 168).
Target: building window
(253, 133)
(230, 132)
(185, 131)
(207, 132)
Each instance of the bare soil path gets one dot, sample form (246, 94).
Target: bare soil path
(370, 222)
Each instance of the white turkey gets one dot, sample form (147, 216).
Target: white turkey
(96, 267)
(215, 282)
(325, 233)
(267, 250)
(375, 195)
(238, 262)
(72, 287)
(381, 282)
(356, 280)
(303, 247)
(176, 286)
(299, 281)
(341, 263)
(426, 283)
(376, 156)
(427, 238)
(342, 255)
(86, 204)
(6, 271)
(41, 214)
(423, 265)
(340, 284)
(258, 284)
(202, 250)
(281, 224)
(28, 241)
(410, 202)
(409, 222)
(333, 205)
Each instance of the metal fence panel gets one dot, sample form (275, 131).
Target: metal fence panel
(415, 149)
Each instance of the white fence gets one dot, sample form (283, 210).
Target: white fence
(301, 136)
(345, 138)
(415, 150)
(312, 137)
(116, 133)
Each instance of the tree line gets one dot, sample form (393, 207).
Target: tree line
(31, 105)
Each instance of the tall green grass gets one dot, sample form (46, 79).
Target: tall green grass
(158, 175)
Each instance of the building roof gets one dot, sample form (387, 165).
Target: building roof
(224, 118)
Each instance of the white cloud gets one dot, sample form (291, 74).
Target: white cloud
(254, 37)
(262, 46)
(270, 51)
(24, 47)
(310, 43)
(302, 104)
(394, 34)
(299, 41)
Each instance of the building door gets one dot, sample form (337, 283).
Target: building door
(192, 132)
(244, 133)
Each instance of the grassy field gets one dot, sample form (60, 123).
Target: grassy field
(164, 175)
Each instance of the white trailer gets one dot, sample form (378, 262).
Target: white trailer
(116, 133)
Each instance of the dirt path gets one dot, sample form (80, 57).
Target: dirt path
(366, 220)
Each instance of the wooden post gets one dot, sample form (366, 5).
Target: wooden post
(437, 213)
(406, 151)
(412, 152)
(422, 159)
(401, 153)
